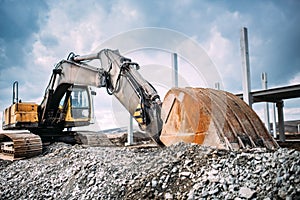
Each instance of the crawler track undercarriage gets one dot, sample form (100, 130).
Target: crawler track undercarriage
(15, 146)
(22, 145)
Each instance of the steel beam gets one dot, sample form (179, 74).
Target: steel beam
(275, 94)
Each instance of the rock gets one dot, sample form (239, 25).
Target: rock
(154, 183)
(187, 174)
(168, 196)
(265, 174)
(181, 171)
(187, 162)
(232, 188)
(282, 193)
(204, 194)
(213, 178)
(216, 166)
(214, 191)
(191, 195)
(246, 192)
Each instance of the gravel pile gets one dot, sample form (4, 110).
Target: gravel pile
(182, 171)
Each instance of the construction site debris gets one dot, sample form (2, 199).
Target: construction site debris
(181, 171)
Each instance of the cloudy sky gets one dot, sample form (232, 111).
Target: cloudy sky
(36, 34)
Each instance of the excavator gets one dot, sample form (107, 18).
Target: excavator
(193, 115)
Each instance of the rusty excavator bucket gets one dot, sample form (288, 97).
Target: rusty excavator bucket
(212, 118)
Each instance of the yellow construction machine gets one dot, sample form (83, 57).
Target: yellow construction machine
(193, 115)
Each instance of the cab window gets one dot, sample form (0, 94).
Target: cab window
(79, 103)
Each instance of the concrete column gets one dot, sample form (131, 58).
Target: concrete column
(274, 121)
(264, 83)
(175, 70)
(217, 86)
(130, 132)
(246, 67)
(280, 121)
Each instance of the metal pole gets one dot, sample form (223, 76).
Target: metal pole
(280, 121)
(15, 92)
(175, 70)
(246, 67)
(264, 82)
(274, 121)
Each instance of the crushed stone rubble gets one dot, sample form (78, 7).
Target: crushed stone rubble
(181, 171)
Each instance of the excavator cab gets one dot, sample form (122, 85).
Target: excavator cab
(80, 107)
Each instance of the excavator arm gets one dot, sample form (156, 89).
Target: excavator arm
(120, 77)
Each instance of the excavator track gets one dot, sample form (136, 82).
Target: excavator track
(16, 146)
(91, 138)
